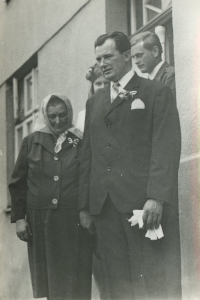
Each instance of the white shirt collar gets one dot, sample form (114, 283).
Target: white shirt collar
(125, 79)
(155, 70)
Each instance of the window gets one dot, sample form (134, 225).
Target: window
(25, 106)
(143, 11)
(155, 16)
(28, 93)
(18, 138)
(151, 8)
(23, 129)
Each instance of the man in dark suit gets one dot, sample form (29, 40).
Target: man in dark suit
(146, 51)
(130, 159)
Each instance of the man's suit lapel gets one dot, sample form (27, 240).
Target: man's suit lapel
(133, 84)
(161, 72)
(106, 101)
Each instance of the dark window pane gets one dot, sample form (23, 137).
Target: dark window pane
(29, 127)
(19, 137)
(21, 100)
(29, 93)
(156, 3)
(151, 14)
(139, 14)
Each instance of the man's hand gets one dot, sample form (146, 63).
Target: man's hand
(23, 230)
(86, 221)
(152, 214)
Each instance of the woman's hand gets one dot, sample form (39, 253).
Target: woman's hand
(23, 230)
(86, 221)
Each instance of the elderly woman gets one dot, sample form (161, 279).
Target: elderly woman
(44, 190)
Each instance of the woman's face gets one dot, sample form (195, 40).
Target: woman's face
(58, 117)
(99, 83)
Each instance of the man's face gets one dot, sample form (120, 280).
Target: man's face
(144, 59)
(113, 64)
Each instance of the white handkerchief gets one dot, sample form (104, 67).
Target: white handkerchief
(137, 104)
(153, 234)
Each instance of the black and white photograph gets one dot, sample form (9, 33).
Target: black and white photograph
(100, 150)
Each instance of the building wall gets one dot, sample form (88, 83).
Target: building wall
(3, 147)
(186, 24)
(14, 282)
(64, 60)
(117, 15)
(27, 25)
(64, 41)
(64, 54)
(63, 37)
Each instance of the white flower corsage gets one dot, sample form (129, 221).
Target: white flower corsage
(127, 94)
(74, 142)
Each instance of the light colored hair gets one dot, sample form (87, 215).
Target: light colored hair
(149, 40)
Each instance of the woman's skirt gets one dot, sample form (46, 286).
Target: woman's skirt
(60, 255)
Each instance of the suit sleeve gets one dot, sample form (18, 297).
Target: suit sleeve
(166, 147)
(85, 168)
(170, 81)
(18, 185)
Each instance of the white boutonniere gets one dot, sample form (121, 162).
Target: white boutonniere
(127, 94)
(74, 142)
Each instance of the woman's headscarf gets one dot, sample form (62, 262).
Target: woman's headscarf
(43, 125)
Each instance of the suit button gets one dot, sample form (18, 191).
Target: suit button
(108, 169)
(109, 125)
(55, 178)
(55, 158)
(108, 146)
(54, 201)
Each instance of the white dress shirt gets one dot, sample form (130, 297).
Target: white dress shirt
(123, 81)
(155, 70)
(80, 124)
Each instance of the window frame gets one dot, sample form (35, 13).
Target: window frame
(147, 7)
(24, 126)
(15, 97)
(26, 78)
(160, 19)
(17, 144)
(29, 114)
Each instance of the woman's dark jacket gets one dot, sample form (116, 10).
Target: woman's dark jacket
(43, 179)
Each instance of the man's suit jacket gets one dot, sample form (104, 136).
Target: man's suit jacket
(166, 75)
(133, 154)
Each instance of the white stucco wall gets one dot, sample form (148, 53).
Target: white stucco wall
(26, 25)
(116, 16)
(3, 148)
(64, 60)
(62, 63)
(186, 24)
(14, 282)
